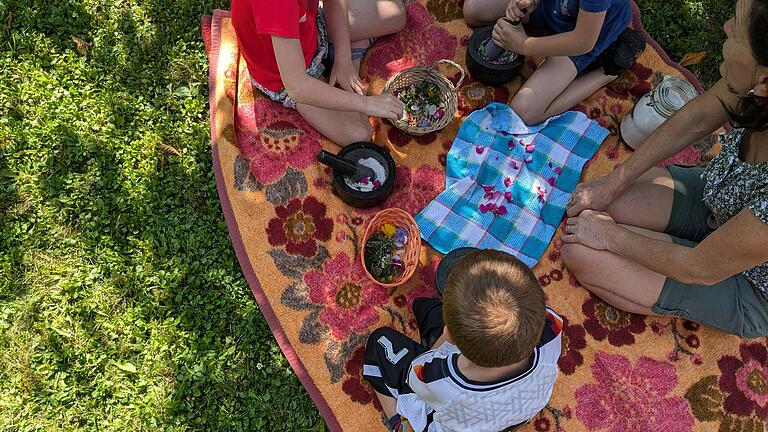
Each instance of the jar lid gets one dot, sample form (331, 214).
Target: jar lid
(671, 95)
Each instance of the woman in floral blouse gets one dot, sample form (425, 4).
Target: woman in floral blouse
(687, 241)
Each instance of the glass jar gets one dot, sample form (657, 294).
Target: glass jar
(653, 109)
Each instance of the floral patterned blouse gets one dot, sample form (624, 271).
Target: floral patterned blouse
(731, 185)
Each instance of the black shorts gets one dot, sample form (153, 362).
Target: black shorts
(389, 353)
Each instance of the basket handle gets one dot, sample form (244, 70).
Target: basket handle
(455, 65)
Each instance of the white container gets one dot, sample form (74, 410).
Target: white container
(653, 109)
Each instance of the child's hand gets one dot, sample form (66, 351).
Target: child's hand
(384, 106)
(509, 36)
(345, 75)
(519, 9)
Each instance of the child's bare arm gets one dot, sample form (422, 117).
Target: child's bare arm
(307, 90)
(579, 41)
(344, 73)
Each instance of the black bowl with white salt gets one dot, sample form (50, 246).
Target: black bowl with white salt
(363, 173)
(488, 63)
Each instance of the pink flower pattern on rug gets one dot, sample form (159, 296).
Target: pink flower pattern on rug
(409, 48)
(632, 398)
(273, 138)
(349, 297)
(415, 189)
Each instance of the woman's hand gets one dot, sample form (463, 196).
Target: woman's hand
(592, 229)
(384, 106)
(597, 194)
(345, 75)
(509, 36)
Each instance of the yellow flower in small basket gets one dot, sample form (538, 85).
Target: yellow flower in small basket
(388, 230)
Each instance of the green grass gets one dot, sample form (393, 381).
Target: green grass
(122, 305)
(683, 26)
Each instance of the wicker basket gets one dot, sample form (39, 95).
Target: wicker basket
(415, 75)
(397, 217)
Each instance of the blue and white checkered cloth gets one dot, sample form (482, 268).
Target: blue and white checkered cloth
(480, 170)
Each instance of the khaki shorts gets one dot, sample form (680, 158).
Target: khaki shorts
(733, 305)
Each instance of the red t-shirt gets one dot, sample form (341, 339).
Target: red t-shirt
(256, 21)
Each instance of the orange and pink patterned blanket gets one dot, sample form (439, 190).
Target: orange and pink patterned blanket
(297, 245)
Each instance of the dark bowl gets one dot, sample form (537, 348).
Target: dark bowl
(485, 72)
(355, 198)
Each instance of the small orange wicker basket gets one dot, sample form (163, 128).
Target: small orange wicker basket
(400, 218)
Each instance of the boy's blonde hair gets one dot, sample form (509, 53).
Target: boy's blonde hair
(494, 308)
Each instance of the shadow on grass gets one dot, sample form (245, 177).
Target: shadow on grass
(152, 226)
(683, 26)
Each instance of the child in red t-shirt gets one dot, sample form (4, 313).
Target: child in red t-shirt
(284, 43)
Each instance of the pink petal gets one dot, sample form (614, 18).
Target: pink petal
(364, 180)
(530, 148)
(483, 208)
(513, 164)
(551, 181)
(508, 196)
(501, 210)
(479, 149)
(507, 181)
(376, 184)
(529, 159)
(490, 206)
(488, 188)
(511, 143)
(558, 170)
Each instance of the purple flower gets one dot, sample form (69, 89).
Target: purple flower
(401, 235)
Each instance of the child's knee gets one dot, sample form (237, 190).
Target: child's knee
(476, 13)
(359, 131)
(373, 340)
(528, 112)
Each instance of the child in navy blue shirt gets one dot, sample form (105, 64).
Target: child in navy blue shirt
(589, 46)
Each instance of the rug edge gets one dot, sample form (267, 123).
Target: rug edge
(237, 243)
(279, 334)
(638, 25)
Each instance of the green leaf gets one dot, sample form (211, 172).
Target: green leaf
(182, 92)
(126, 367)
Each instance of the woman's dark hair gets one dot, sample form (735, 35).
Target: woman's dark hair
(751, 112)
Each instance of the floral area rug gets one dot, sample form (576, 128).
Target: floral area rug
(298, 246)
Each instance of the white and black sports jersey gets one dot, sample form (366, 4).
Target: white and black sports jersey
(445, 400)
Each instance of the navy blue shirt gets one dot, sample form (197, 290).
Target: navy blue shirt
(560, 16)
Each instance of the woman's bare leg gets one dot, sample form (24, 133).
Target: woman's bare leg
(622, 283)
